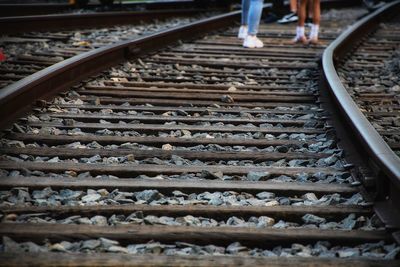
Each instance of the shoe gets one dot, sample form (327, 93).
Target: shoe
(252, 42)
(292, 17)
(242, 32)
(301, 40)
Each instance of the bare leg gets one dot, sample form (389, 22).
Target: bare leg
(310, 8)
(293, 6)
(301, 11)
(316, 12)
(316, 22)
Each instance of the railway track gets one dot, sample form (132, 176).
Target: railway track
(201, 153)
(370, 74)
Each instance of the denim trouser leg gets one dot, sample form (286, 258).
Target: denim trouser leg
(254, 16)
(245, 11)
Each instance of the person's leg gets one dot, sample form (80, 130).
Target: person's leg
(302, 12)
(309, 13)
(310, 8)
(316, 21)
(255, 12)
(316, 12)
(245, 17)
(300, 37)
(245, 11)
(293, 6)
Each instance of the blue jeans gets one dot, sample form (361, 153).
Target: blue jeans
(251, 14)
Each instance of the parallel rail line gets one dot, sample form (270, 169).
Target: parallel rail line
(171, 153)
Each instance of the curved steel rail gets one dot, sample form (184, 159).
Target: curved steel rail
(371, 141)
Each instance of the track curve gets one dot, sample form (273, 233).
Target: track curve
(186, 151)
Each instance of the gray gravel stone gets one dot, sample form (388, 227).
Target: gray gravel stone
(117, 249)
(329, 226)
(41, 194)
(148, 195)
(227, 99)
(310, 218)
(235, 248)
(235, 221)
(91, 197)
(264, 221)
(258, 176)
(310, 197)
(99, 220)
(84, 220)
(211, 175)
(58, 247)
(106, 243)
(348, 252)
(91, 244)
(355, 199)
(11, 246)
(265, 195)
(349, 222)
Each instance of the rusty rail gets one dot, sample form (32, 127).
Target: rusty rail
(71, 71)
(371, 143)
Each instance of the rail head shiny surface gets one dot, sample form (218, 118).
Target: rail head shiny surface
(374, 144)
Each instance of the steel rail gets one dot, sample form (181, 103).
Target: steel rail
(370, 141)
(19, 97)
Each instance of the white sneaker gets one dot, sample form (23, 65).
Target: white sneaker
(292, 17)
(242, 32)
(252, 42)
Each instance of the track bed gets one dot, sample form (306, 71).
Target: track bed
(202, 153)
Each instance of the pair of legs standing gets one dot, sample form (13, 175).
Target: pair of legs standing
(251, 15)
(316, 11)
